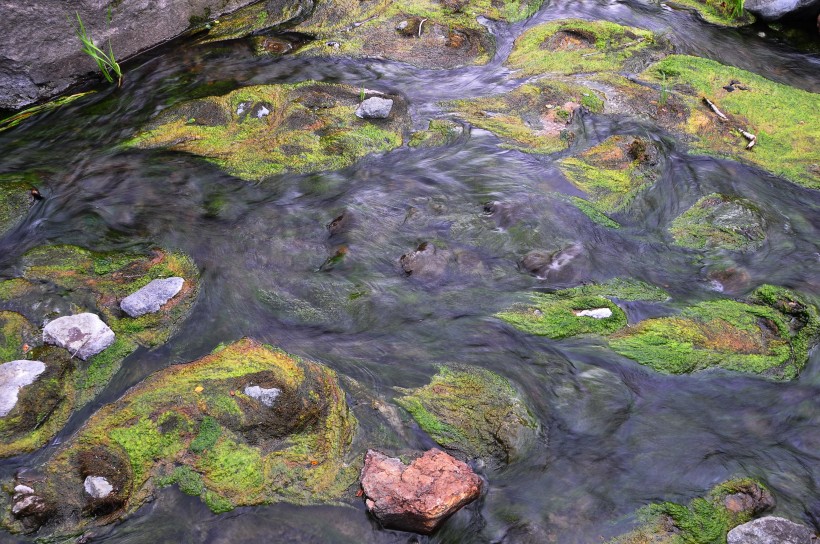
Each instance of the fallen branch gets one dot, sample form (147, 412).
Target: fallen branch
(749, 136)
(420, 24)
(715, 109)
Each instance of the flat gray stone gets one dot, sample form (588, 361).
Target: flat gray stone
(265, 396)
(83, 335)
(771, 530)
(150, 298)
(97, 486)
(374, 108)
(13, 377)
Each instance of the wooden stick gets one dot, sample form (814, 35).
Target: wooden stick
(749, 136)
(715, 109)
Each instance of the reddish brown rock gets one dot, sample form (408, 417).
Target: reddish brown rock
(420, 496)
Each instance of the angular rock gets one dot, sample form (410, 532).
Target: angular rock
(13, 377)
(151, 298)
(374, 108)
(771, 530)
(265, 396)
(420, 496)
(28, 506)
(84, 335)
(97, 486)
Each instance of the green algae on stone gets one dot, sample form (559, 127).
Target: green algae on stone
(719, 12)
(719, 221)
(263, 130)
(770, 335)
(15, 333)
(596, 215)
(788, 142)
(533, 118)
(193, 425)
(15, 199)
(574, 46)
(473, 411)
(439, 132)
(705, 520)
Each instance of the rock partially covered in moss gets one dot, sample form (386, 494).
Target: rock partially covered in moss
(264, 130)
(574, 46)
(473, 411)
(55, 278)
(718, 12)
(719, 222)
(768, 335)
(579, 310)
(15, 199)
(704, 520)
(532, 118)
(439, 132)
(192, 425)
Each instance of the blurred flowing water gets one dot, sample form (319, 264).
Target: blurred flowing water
(620, 435)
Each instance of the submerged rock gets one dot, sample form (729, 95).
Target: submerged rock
(374, 108)
(771, 530)
(152, 297)
(15, 199)
(84, 335)
(14, 376)
(417, 497)
(719, 221)
(475, 412)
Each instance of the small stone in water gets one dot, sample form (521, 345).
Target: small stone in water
(150, 298)
(374, 108)
(13, 377)
(597, 313)
(84, 335)
(97, 486)
(265, 396)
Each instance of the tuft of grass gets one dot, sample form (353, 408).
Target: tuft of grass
(106, 62)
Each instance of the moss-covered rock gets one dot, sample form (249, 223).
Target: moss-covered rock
(264, 130)
(93, 282)
(573, 46)
(532, 118)
(770, 335)
(719, 221)
(439, 132)
(570, 312)
(15, 199)
(473, 411)
(193, 425)
(705, 520)
(719, 12)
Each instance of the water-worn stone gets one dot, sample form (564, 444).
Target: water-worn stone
(374, 108)
(420, 496)
(770, 10)
(14, 376)
(771, 530)
(150, 298)
(83, 335)
(265, 396)
(97, 486)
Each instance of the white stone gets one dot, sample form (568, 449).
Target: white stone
(23, 504)
(770, 530)
(374, 108)
(150, 298)
(13, 377)
(597, 313)
(23, 489)
(97, 486)
(84, 335)
(265, 396)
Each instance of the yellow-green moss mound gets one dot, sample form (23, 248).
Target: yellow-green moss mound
(193, 425)
(264, 130)
(573, 46)
(719, 12)
(473, 411)
(705, 520)
(94, 282)
(719, 221)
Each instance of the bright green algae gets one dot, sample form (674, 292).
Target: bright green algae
(473, 411)
(705, 520)
(259, 131)
(719, 12)
(94, 282)
(192, 425)
(719, 221)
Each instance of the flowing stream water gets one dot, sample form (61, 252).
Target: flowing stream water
(620, 435)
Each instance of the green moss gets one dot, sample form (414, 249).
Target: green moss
(787, 141)
(209, 431)
(719, 12)
(98, 371)
(19, 117)
(15, 332)
(576, 46)
(188, 481)
(593, 213)
(439, 132)
(474, 411)
(14, 203)
(719, 221)
(309, 127)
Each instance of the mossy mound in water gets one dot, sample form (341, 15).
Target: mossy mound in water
(778, 115)
(196, 425)
(15, 199)
(265, 130)
(612, 173)
(439, 132)
(574, 46)
(473, 411)
(580, 310)
(719, 12)
(719, 221)
(533, 117)
(94, 282)
(705, 520)
(769, 335)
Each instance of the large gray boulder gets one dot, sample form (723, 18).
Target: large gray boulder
(771, 530)
(150, 298)
(13, 377)
(771, 10)
(84, 335)
(40, 55)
